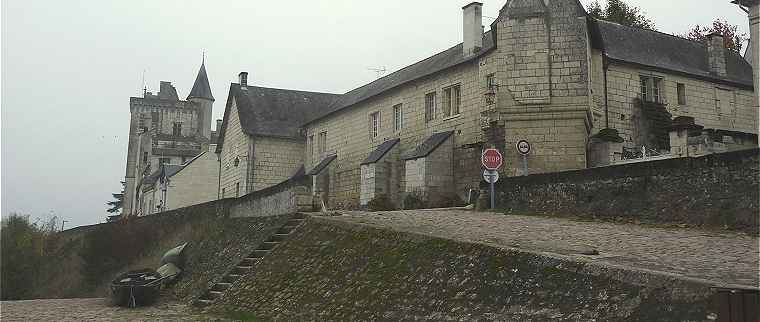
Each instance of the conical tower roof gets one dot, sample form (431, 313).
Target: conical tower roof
(201, 88)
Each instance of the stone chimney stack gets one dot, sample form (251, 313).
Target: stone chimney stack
(218, 125)
(716, 54)
(473, 28)
(243, 78)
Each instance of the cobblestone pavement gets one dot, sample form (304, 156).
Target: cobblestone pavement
(720, 257)
(94, 309)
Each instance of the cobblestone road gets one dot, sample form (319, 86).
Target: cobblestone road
(721, 257)
(93, 309)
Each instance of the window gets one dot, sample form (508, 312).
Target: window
(681, 94)
(491, 81)
(451, 100)
(237, 189)
(177, 129)
(430, 106)
(374, 125)
(651, 89)
(145, 157)
(398, 118)
(224, 190)
(322, 142)
(164, 161)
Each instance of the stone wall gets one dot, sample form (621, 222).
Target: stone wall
(274, 160)
(718, 190)
(287, 197)
(333, 271)
(236, 147)
(88, 257)
(624, 88)
(196, 183)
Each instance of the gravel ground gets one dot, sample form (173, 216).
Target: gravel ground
(94, 309)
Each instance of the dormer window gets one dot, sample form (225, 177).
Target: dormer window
(177, 129)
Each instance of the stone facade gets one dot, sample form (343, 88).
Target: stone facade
(234, 156)
(195, 183)
(546, 73)
(165, 130)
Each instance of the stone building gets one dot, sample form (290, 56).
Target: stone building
(583, 92)
(166, 130)
(173, 186)
(260, 137)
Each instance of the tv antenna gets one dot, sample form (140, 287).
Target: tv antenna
(379, 71)
(145, 86)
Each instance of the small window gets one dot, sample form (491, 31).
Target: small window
(398, 118)
(237, 189)
(322, 143)
(145, 157)
(491, 81)
(374, 125)
(164, 161)
(651, 89)
(681, 94)
(430, 106)
(177, 129)
(451, 100)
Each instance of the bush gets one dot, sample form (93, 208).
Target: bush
(381, 203)
(25, 251)
(415, 200)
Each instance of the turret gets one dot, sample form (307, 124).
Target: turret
(201, 95)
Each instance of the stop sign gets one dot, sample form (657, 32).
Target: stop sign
(492, 159)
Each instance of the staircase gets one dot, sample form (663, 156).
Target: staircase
(249, 262)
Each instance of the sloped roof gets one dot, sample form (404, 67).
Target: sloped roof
(201, 87)
(664, 51)
(171, 169)
(276, 112)
(431, 65)
(322, 165)
(427, 146)
(380, 151)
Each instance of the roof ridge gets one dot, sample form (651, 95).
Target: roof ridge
(650, 30)
(285, 89)
(415, 63)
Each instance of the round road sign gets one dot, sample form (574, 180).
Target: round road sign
(491, 176)
(523, 147)
(492, 159)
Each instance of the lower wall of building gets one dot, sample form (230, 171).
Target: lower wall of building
(717, 190)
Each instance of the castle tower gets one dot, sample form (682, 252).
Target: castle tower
(201, 95)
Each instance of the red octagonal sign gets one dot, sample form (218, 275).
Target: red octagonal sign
(492, 159)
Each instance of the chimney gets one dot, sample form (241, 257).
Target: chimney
(473, 28)
(716, 54)
(243, 78)
(218, 125)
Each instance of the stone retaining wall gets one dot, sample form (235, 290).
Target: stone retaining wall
(333, 271)
(717, 191)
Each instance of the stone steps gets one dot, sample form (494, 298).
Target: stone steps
(248, 263)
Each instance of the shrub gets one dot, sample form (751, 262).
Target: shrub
(381, 203)
(25, 250)
(415, 200)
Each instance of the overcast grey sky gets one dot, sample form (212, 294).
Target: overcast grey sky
(69, 68)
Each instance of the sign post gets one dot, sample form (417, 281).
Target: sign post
(523, 147)
(492, 160)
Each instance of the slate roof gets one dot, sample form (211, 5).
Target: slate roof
(431, 65)
(427, 146)
(275, 112)
(380, 151)
(322, 165)
(201, 88)
(171, 169)
(667, 52)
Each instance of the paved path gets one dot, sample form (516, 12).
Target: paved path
(721, 257)
(93, 309)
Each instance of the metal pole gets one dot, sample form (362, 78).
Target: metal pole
(493, 199)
